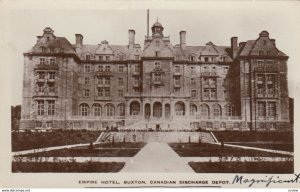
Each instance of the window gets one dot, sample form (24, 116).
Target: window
(86, 92)
(107, 58)
(107, 68)
(40, 110)
(193, 109)
(84, 109)
(42, 61)
(51, 107)
(137, 57)
(121, 57)
(157, 54)
(261, 109)
(136, 68)
(204, 110)
(52, 75)
(205, 69)
(206, 59)
(269, 63)
(107, 81)
(43, 49)
(40, 88)
(107, 92)
(51, 88)
(90, 125)
(49, 124)
(121, 68)
(260, 63)
(41, 75)
(52, 61)
(100, 68)
(87, 68)
(213, 94)
(192, 58)
(271, 109)
(157, 43)
(121, 82)
(217, 110)
(100, 92)
(268, 52)
(260, 52)
(177, 69)
(193, 81)
(206, 93)
(38, 124)
(136, 81)
(120, 93)
(110, 110)
(228, 110)
(177, 81)
(86, 80)
(193, 93)
(121, 109)
(100, 58)
(193, 71)
(88, 57)
(97, 110)
(99, 80)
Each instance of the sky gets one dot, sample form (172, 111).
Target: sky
(203, 24)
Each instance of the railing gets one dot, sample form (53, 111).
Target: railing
(95, 118)
(177, 74)
(44, 93)
(104, 73)
(268, 69)
(102, 98)
(47, 67)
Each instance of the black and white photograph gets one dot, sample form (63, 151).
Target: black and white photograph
(152, 96)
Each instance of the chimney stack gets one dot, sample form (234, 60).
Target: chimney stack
(234, 47)
(131, 34)
(274, 42)
(182, 39)
(79, 39)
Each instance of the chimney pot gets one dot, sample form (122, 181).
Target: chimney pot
(131, 34)
(182, 35)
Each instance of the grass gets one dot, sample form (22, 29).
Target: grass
(210, 150)
(67, 167)
(247, 136)
(275, 146)
(99, 150)
(243, 167)
(34, 140)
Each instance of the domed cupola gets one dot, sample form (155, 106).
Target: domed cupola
(157, 29)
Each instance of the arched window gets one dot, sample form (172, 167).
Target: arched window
(84, 109)
(97, 109)
(167, 110)
(110, 110)
(157, 109)
(193, 109)
(204, 110)
(134, 108)
(217, 110)
(147, 110)
(180, 108)
(228, 110)
(121, 109)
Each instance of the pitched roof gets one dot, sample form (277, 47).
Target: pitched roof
(57, 42)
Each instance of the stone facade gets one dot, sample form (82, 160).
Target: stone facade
(78, 86)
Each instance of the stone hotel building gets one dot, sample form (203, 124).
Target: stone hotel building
(159, 86)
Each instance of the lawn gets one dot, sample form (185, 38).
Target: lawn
(247, 136)
(33, 140)
(211, 150)
(66, 167)
(99, 150)
(276, 146)
(243, 167)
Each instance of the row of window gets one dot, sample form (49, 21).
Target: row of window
(266, 109)
(109, 110)
(107, 68)
(44, 75)
(45, 107)
(46, 61)
(109, 57)
(103, 92)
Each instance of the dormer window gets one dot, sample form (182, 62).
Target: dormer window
(88, 57)
(206, 59)
(107, 58)
(268, 52)
(43, 49)
(52, 61)
(137, 57)
(42, 61)
(192, 58)
(100, 58)
(260, 52)
(52, 50)
(48, 39)
(157, 54)
(121, 57)
(224, 58)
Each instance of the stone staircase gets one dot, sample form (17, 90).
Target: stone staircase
(163, 137)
